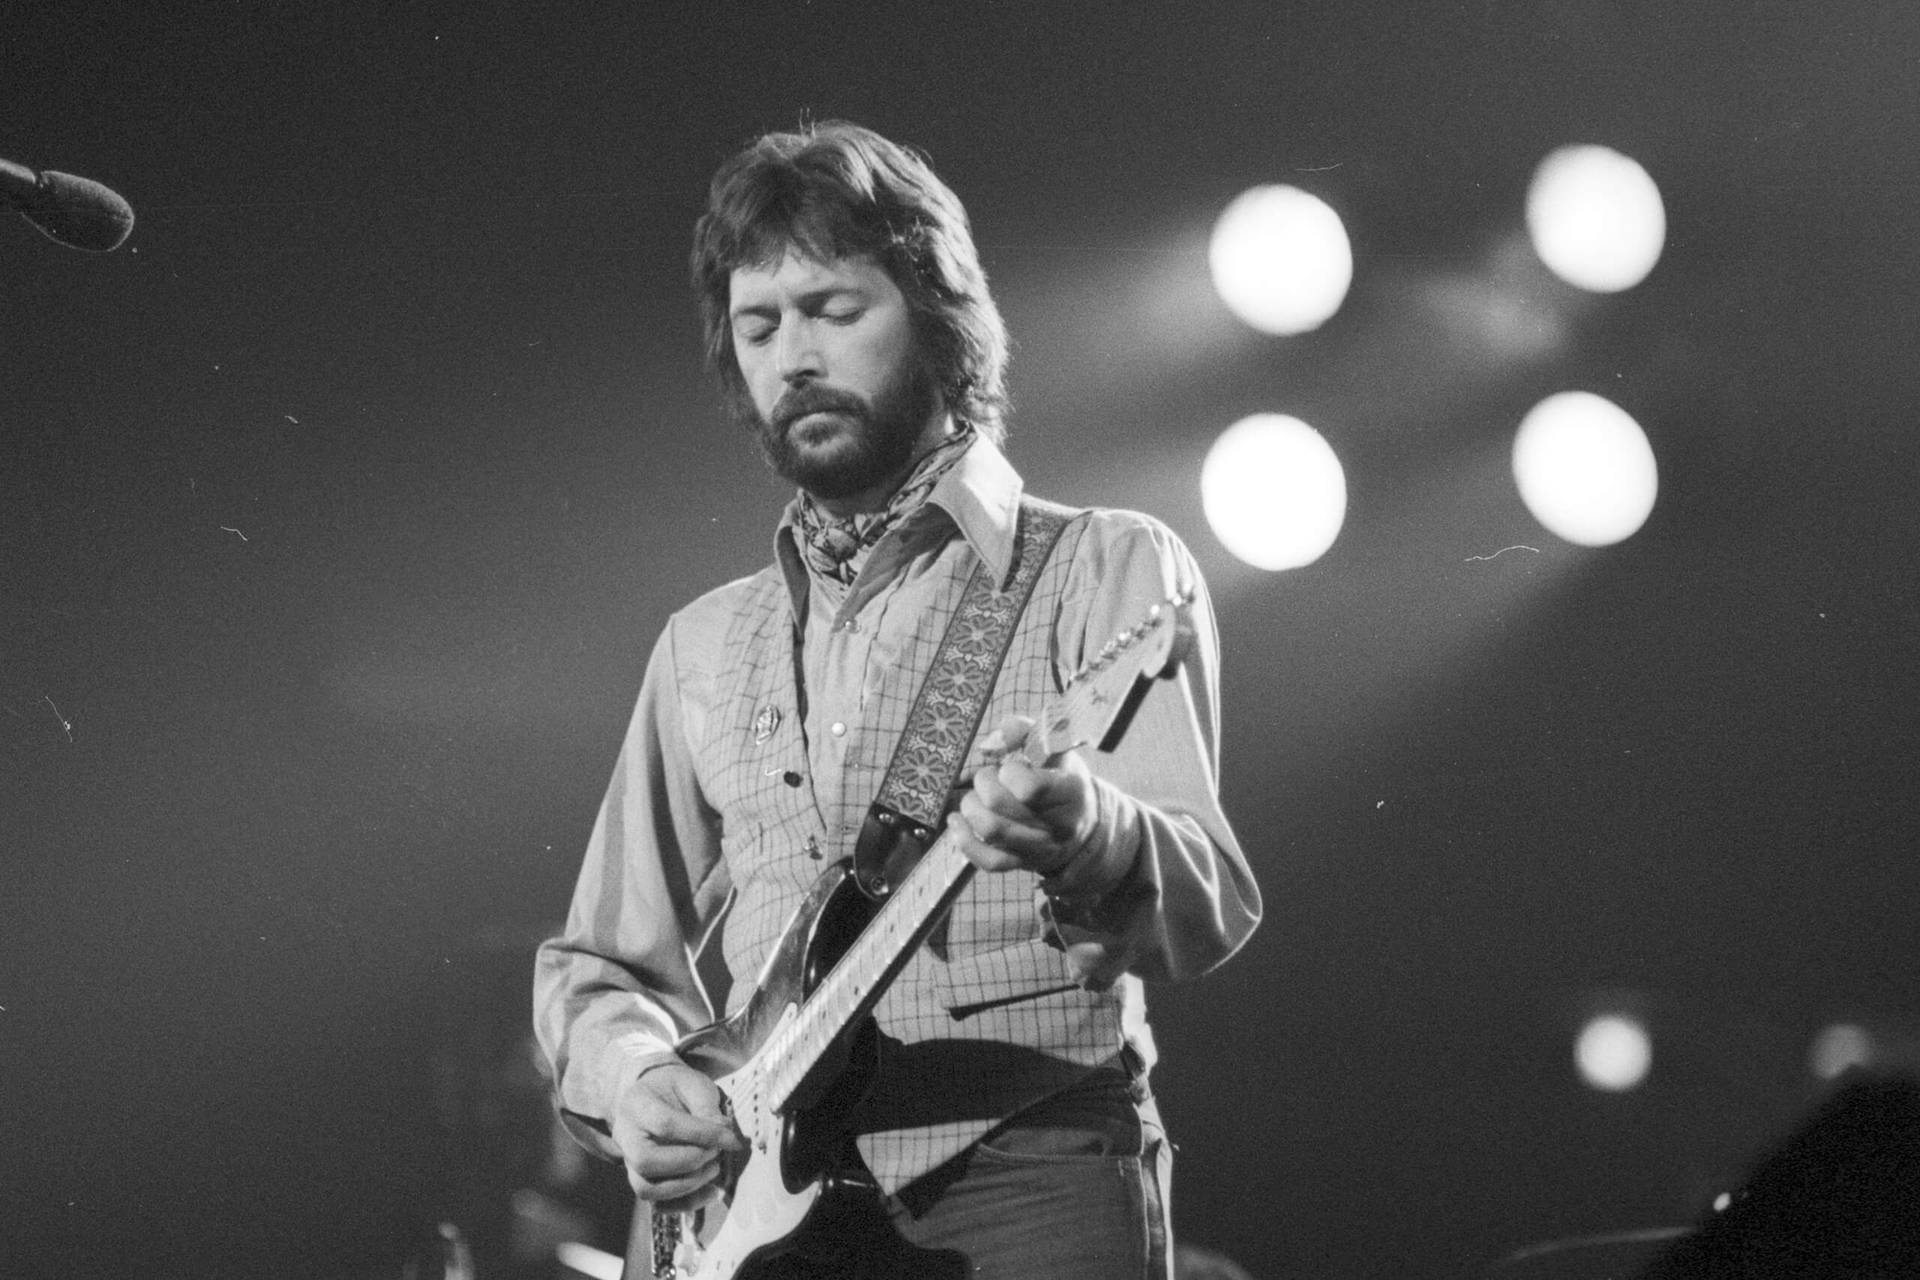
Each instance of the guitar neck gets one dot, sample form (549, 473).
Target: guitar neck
(862, 975)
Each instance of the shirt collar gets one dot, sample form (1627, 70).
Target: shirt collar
(981, 494)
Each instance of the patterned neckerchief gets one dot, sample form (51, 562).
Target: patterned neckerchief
(836, 547)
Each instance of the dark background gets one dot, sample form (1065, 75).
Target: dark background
(341, 506)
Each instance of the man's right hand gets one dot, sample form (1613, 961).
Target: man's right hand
(672, 1129)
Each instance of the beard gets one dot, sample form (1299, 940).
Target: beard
(881, 438)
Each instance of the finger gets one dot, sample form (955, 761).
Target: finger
(1005, 824)
(1034, 826)
(661, 1166)
(983, 855)
(664, 1118)
(991, 795)
(1014, 730)
(667, 1127)
(703, 1101)
(992, 844)
(686, 1190)
(1025, 785)
(1006, 738)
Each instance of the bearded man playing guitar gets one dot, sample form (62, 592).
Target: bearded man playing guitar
(921, 1072)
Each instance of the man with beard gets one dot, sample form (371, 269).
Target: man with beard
(1008, 1130)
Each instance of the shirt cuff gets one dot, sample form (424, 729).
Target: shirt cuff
(627, 1059)
(1086, 886)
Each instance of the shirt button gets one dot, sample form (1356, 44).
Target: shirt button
(837, 729)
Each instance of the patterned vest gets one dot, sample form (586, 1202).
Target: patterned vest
(986, 1019)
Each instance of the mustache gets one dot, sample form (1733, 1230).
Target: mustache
(798, 402)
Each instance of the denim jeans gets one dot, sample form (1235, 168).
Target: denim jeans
(1072, 1189)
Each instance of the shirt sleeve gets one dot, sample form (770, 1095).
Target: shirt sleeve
(618, 986)
(1165, 891)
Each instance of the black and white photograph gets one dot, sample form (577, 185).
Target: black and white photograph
(800, 640)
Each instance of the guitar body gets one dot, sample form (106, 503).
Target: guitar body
(780, 1185)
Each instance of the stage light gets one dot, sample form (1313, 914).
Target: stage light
(1273, 491)
(1280, 259)
(1613, 1053)
(1838, 1048)
(1585, 469)
(1596, 218)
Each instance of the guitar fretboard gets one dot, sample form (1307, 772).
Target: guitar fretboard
(854, 986)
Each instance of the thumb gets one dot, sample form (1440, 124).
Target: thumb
(700, 1096)
(1008, 736)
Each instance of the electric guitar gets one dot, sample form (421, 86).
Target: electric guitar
(795, 1059)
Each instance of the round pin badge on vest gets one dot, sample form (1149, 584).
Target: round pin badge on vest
(765, 724)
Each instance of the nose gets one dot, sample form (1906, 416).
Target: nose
(797, 353)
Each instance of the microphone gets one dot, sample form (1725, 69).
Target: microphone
(74, 211)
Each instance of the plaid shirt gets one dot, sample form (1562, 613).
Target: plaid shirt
(744, 774)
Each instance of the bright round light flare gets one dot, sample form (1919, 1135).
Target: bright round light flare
(1595, 218)
(1614, 1053)
(1273, 491)
(1838, 1048)
(1280, 259)
(1584, 469)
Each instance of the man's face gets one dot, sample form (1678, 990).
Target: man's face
(828, 355)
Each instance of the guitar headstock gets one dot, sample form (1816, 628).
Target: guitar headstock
(1099, 699)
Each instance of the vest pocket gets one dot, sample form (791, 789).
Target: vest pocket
(973, 984)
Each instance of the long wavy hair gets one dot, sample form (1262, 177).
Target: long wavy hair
(836, 190)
